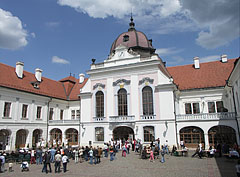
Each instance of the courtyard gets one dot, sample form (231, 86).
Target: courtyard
(133, 166)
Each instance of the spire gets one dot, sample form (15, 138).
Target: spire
(131, 24)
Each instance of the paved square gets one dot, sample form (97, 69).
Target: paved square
(132, 166)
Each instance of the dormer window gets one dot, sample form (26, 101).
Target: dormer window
(35, 84)
(125, 38)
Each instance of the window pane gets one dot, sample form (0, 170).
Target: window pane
(122, 102)
(148, 134)
(196, 109)
(39, 108)
(99, 134)
(7, 107)
(73, 114)
(147, 101)
(99, 104)
(220, 107)
(61, 115)
(211, 107)
(51, 114)
(24, 111)
(188, 108)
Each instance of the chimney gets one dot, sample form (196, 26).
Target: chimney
(19, 69)
(38, 74)
(224, 58)
(196, 63)
(81, 78)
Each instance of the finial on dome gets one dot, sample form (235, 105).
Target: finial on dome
(131, 24)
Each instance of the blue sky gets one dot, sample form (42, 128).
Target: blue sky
(62, 36)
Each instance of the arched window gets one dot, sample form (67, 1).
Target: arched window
(72, 136)
(122, 102)
(147, 100)
(99, 104)
(148, 134)
(192, 136)
(99, 134)
(221, 134)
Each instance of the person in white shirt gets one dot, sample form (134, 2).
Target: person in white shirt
(64, 161)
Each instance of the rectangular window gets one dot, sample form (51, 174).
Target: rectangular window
(99, 134)
(196, 109)
(24, 111)
(188, 108)
(148, 134)
(51, 114)
(211, 107)
(78, 114)
(61, 114)
(220, 107)
(39, 109)
(7, 107)
(73, 114)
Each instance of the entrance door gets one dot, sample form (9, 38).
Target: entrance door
(123, 133)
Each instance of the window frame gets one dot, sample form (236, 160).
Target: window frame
(99, 105)
(147, 135)
(51, 112)
(122, 100)
(24, 111)
(7, 109)
(100, 135)
(191, 109)
(39, 112)
(148, 105)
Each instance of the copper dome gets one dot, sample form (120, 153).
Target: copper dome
(136, 40)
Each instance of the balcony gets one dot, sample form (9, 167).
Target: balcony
(207, 116)
(148, 117)
(66, 121)
(121, 118)
(98, 119)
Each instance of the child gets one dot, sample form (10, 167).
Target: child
(151, 159)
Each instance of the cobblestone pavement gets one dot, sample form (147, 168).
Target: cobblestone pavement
(132, 166)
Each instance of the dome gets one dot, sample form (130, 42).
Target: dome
(136, 40)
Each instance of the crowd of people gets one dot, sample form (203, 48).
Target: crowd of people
(59, 156)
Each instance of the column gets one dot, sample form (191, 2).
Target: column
(29, 139)
(13, 140)
(206, 140)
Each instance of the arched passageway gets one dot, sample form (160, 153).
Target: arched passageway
(4, 138)
(221, 134)
(123, 133)
(37, 135)
(192, 136)
(21, 138)
(56, 136)
(72, 136)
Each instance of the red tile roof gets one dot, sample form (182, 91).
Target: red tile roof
(48, 87)
(210, 74)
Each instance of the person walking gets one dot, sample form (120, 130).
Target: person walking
(151, 159)
(58, 159)
(163, 154)
(111, 154)
(46, 162)
(65, 161)
(81, 150)
(32, 161)
(2, 161)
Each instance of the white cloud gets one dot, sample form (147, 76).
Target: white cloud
(56, 59)
(168, 51)
(33, 35)
(209, 58)
(12, 34)
(217, 22)
(52, 24)
(218, 19)
(175, 60)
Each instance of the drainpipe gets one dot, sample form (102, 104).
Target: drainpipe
(79, 124)
(48, 118)
(174, 97)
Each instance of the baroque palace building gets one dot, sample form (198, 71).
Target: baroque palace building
(131, 94)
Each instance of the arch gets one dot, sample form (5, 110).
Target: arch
(192, 136)
(99, 104)
(148, 133)
(72, 136)
(56, 135)
(4, 138)
(37, 135)
(221, 134)
(147, 100)
(21, 138)
(123, 133)
(122, 102)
